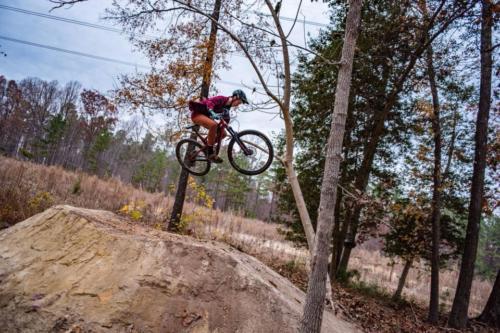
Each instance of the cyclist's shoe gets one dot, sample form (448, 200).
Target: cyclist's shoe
(214, 158)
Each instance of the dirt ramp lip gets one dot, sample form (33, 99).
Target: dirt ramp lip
(93, 271)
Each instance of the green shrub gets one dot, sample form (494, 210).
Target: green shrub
(29, 155)
(348, 276)
(77, 187)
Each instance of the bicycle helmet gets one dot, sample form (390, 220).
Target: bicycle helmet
(238, 93)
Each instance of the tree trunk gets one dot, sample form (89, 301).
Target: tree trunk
(458, 315)
(216, 193)
(299, 200)
(433, 315)
(256, 204)
(316, 290)
(271, 209)
(340, 229)
(340, 240)
(348, 241)
(335, 244)
(402, 280)
(491, 312)
(289, 144)
(180, 194)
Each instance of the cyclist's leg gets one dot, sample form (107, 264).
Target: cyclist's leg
(210, 124)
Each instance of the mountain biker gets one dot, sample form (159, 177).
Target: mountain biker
(204, 112)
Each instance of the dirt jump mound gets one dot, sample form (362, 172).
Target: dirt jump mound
(79, 270)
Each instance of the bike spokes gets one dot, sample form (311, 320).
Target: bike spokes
(192, 157)
(250, 152)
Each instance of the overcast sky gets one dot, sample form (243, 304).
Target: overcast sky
(31, 61)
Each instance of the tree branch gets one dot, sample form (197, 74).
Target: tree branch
(288, 42)
(62, 3)
(238, 41)
(295, 19)
(451, 148)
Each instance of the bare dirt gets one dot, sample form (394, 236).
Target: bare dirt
(79, 270)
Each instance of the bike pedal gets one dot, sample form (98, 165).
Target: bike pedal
(215, 159)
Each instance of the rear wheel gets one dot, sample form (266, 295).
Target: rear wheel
(192, 157)
(250, 152)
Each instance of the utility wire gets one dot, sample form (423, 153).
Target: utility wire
(302, 21)
(66, 20)
(58, 49)
(77, 22)
(96, 57)
(120, 31)
(103, 27)
(59, 18)
(290, 19)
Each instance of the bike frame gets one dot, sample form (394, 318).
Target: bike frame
(221, 126)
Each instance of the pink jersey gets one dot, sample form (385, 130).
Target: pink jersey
(216, 103)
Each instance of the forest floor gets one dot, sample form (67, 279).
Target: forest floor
(372, 309)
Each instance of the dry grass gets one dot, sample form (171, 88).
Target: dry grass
(23, 184)
(376, 269)
(26, 189)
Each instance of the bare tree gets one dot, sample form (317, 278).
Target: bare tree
(39, 103)
(313, 309)
(12, 117)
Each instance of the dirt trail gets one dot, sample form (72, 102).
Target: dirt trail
(90, 271)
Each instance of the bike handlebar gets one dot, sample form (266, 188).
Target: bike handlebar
(219, 116)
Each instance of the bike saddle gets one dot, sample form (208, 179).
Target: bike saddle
(195, 127)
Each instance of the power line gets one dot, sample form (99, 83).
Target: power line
(77, 22)
(107, 28)
(103, 27)
(120, 31)
(58, 49)
(66, 20)
(304, 21)
(96, 57)
(284, 18)
(59, 18)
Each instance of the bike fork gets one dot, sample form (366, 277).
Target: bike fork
(246, 151)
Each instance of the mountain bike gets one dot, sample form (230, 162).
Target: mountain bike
(249, 152)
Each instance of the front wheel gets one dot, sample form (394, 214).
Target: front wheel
(192, 157)
(250, 152)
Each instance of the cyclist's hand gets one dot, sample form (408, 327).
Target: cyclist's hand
(213, 115)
